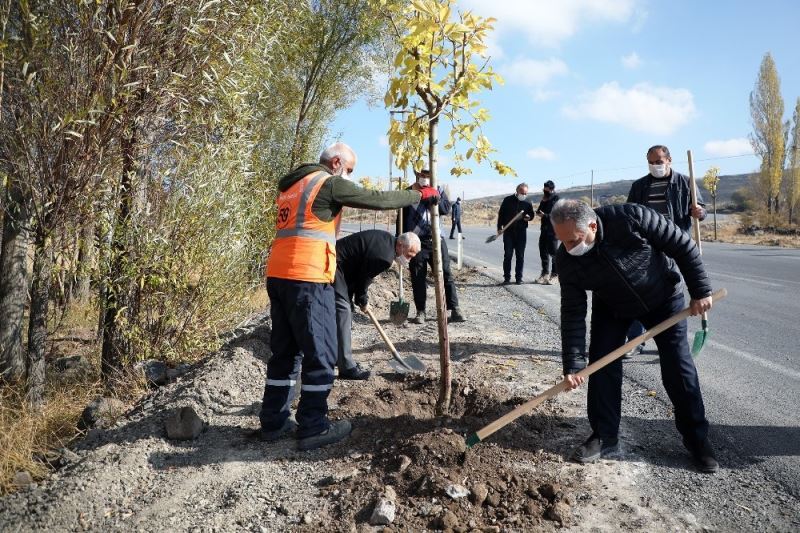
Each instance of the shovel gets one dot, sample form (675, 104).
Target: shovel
(700, 336)
(516, 217)
(530, 405)
(398, 311)
(409, 364)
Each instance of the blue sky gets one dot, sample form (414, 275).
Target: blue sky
(591, 84)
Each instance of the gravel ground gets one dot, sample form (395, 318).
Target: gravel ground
(131, 477)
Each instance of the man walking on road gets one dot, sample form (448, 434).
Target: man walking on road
(669, 193)
(515, 237)
(300, 273)
(359, 258)
(548, 242)
(416, 219)
(456, 219)
(627, 256)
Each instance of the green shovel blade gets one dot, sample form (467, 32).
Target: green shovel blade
(700, 339)
(472, 439)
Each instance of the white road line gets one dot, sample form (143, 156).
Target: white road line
(788, 372)
(751, 279)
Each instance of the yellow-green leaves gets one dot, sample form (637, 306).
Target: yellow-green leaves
(711, 180)
(439, 66)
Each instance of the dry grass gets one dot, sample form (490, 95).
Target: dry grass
(728, 231)
(27, 434)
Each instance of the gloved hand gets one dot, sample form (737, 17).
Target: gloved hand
(429, 194)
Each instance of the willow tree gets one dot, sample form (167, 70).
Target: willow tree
(769, 130)
(440, 64)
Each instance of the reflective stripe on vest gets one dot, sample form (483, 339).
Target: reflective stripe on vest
(304, 248)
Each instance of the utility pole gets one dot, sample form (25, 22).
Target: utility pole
(592, 189)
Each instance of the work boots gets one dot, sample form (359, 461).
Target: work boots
(336, 431)
(355, 373)
(457, 316)
(702, 455)
(594, 448)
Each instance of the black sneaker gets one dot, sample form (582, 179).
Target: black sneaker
(703, 456)
(336, 431)
(506, 282)
(355, 373)
(594, 448)
(290, 426)
(634, 352)
(518, 282)
(456, 316)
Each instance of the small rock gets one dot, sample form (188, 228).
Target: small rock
(448, 520)
(178, 371)
(478, 494)
(338, 477)
(530, 508)
(101, 412)
(308, 518)
(155, 372)
(282, 509)
(532, 491)
(23, 479)
(68, 456)
(559, 512)
(493, 499)
(389, 493)
(500, 486)
(383, 512)
(550, 490)
(405, 462)
(183, 424)
(71, 362)
(456, 491)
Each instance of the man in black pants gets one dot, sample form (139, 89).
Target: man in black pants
(359, 258)
(515, 237)
(627, 256)
(416, 218)
(548, 242)
(456, 218)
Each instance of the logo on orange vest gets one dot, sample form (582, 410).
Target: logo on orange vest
(283, 216)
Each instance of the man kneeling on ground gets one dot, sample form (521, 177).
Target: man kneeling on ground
(626, 255)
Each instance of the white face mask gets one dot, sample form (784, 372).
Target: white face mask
(658, 171)
(402, 261)
(424, 182)
(521, 197)
(580, 249)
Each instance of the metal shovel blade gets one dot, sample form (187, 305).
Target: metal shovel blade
(409, 364)
(398, 311)
(700, 338)
(491, 238)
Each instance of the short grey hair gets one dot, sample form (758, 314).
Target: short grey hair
(338, 149)
(575, 210)
(409, 239)
(523, 184)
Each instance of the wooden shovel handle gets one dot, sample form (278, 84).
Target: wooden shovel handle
(516, 217)
(695, 222)
(589, 370)
(392, 349)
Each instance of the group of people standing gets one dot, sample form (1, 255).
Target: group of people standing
(632, 258)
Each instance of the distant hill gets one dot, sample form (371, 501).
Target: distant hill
(602, 191)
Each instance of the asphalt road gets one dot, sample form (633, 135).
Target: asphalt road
(750, 366)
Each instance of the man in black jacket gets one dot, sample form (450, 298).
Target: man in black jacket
(668, 192)
(627, 256)
(359, 258)
(516, 236)
(455, 218)
(548, 242)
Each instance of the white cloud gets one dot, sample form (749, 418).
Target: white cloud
(729, 147)
(540, 152)
(643, 107)
(383, 140)
(631, 61)
(549, 22)
(533, 72)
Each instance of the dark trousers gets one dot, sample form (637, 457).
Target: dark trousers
(456, 223)
(303, 342)
(344, 323)
(514, 244)
(678, 373)
(548, 244)
(419, 270)
(635, 330)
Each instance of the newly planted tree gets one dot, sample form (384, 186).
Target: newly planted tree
(710, 182)
(440, 64)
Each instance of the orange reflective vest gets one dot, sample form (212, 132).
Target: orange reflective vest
(304, 248)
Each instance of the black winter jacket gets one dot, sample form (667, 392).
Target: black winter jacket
(510, 206)
(679, 197)
(631, 269)
(362, 256)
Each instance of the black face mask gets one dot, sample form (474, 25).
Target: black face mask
(546, 192)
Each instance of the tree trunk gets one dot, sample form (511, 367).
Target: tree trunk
(13, 285)
(114, 342)
(445, 385)
(37, 325)
(714, 203)
(83, 271)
